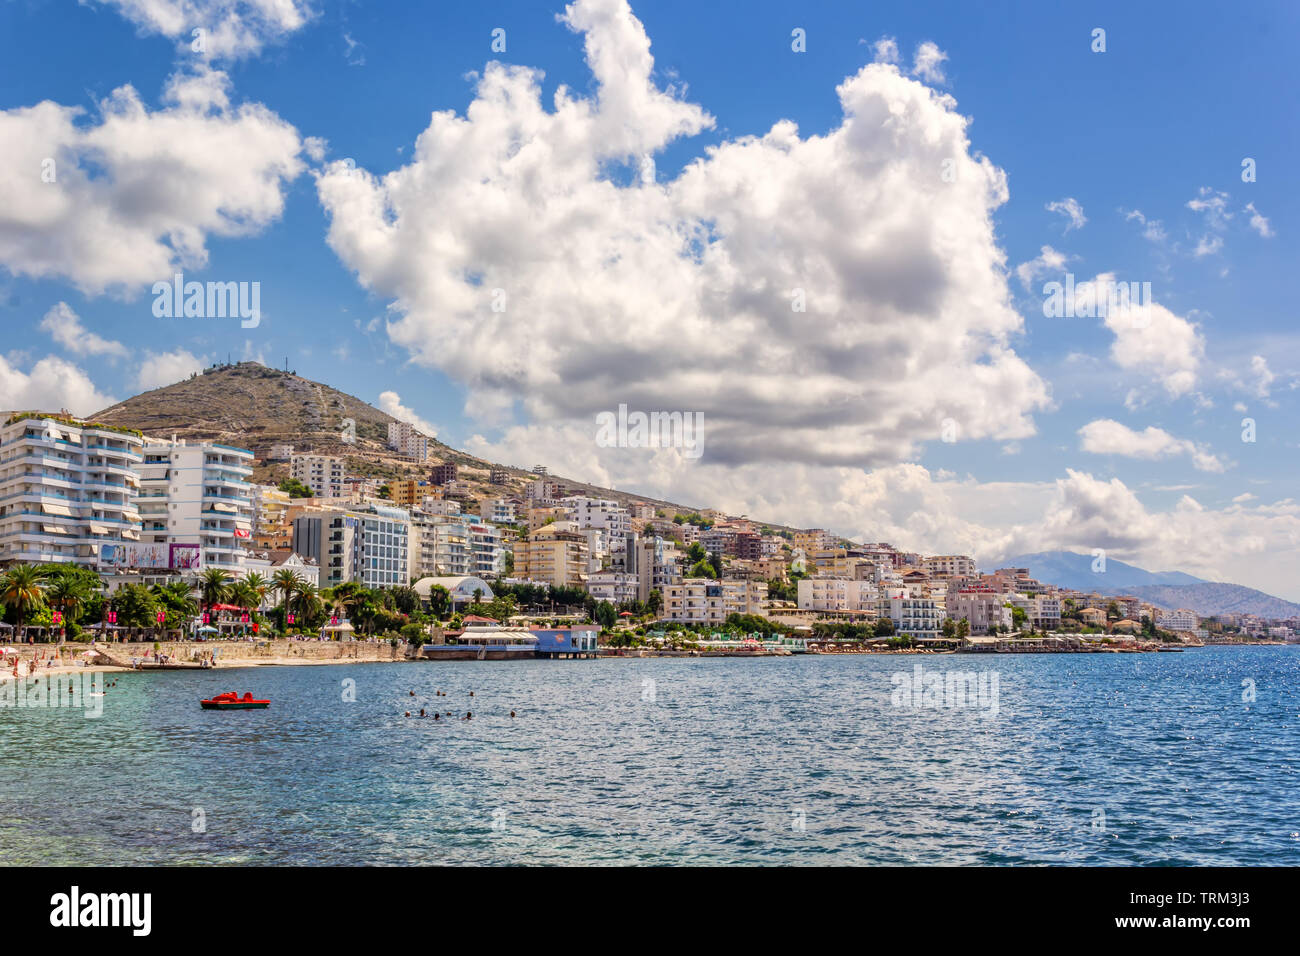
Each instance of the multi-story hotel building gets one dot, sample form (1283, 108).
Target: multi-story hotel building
(983, 608)
(197, 497)
(272, 530)
(814, 539)
(837, 594)
(407, 492)
(743, 596)
(949, 566)
(616, 587)
(323, 474)
(370, 544)
(67, 491)
(404, 439)
(913, 616)
(499, 510)
(695, 601)
(1179, 620)
(556, 554)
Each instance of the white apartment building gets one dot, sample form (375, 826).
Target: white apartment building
(498, 510)
(837, 594)
(441, 544)
(949, 566)
(447, 543)
(913, 616)
(1179, 620)
(66, 491)
(600, 513)
(743, 596)
(695, 601)
(195, 501)
(984, 610)
(323, 474)
(616, 587)
(486, 550)
(404, 439)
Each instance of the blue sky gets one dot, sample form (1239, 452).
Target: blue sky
(1144, 140)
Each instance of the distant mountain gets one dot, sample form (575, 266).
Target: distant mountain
(1216, 598)
(1167, 589)
(1067, 569)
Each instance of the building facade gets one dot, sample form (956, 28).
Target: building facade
(67, 491)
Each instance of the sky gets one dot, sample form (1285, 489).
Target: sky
(829, 230)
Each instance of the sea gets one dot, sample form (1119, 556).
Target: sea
(1152, 759)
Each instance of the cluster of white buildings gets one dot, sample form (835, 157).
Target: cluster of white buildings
(134, 507)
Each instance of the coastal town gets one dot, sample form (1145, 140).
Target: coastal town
(110, 535)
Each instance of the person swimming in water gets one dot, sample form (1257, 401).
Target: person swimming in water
(468, 715)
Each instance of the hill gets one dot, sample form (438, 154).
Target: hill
(1167, 589)
(249, 405)
(1210, 598)
(1068, 569)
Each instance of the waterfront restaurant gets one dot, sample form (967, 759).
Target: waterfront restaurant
(566, 642)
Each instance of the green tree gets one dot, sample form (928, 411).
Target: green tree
(22, 591)
(285, 581)
(295, 488)
(69, 592)
(702, 569)
(606, 616)
(214, 587)
(136, 606)
(439, 601)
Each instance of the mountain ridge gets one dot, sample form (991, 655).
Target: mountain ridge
(1167, 589)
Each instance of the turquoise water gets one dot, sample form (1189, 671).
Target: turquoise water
(1090, 759)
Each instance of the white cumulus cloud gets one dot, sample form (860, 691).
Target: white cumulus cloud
(64, 325)
(829, 298)
(232, 28)
(51, 384)
(1071, 209)
(1106, 436)
(122, 200)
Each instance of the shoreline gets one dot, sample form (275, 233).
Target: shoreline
(279, 660)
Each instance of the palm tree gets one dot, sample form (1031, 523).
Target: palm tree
(285, 581)
(214, 586)
(177, 596)
(244, 595)
(259, 586)
(69, 593)
(22, 588)
(307, 600)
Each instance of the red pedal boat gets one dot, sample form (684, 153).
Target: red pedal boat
(231, 701)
